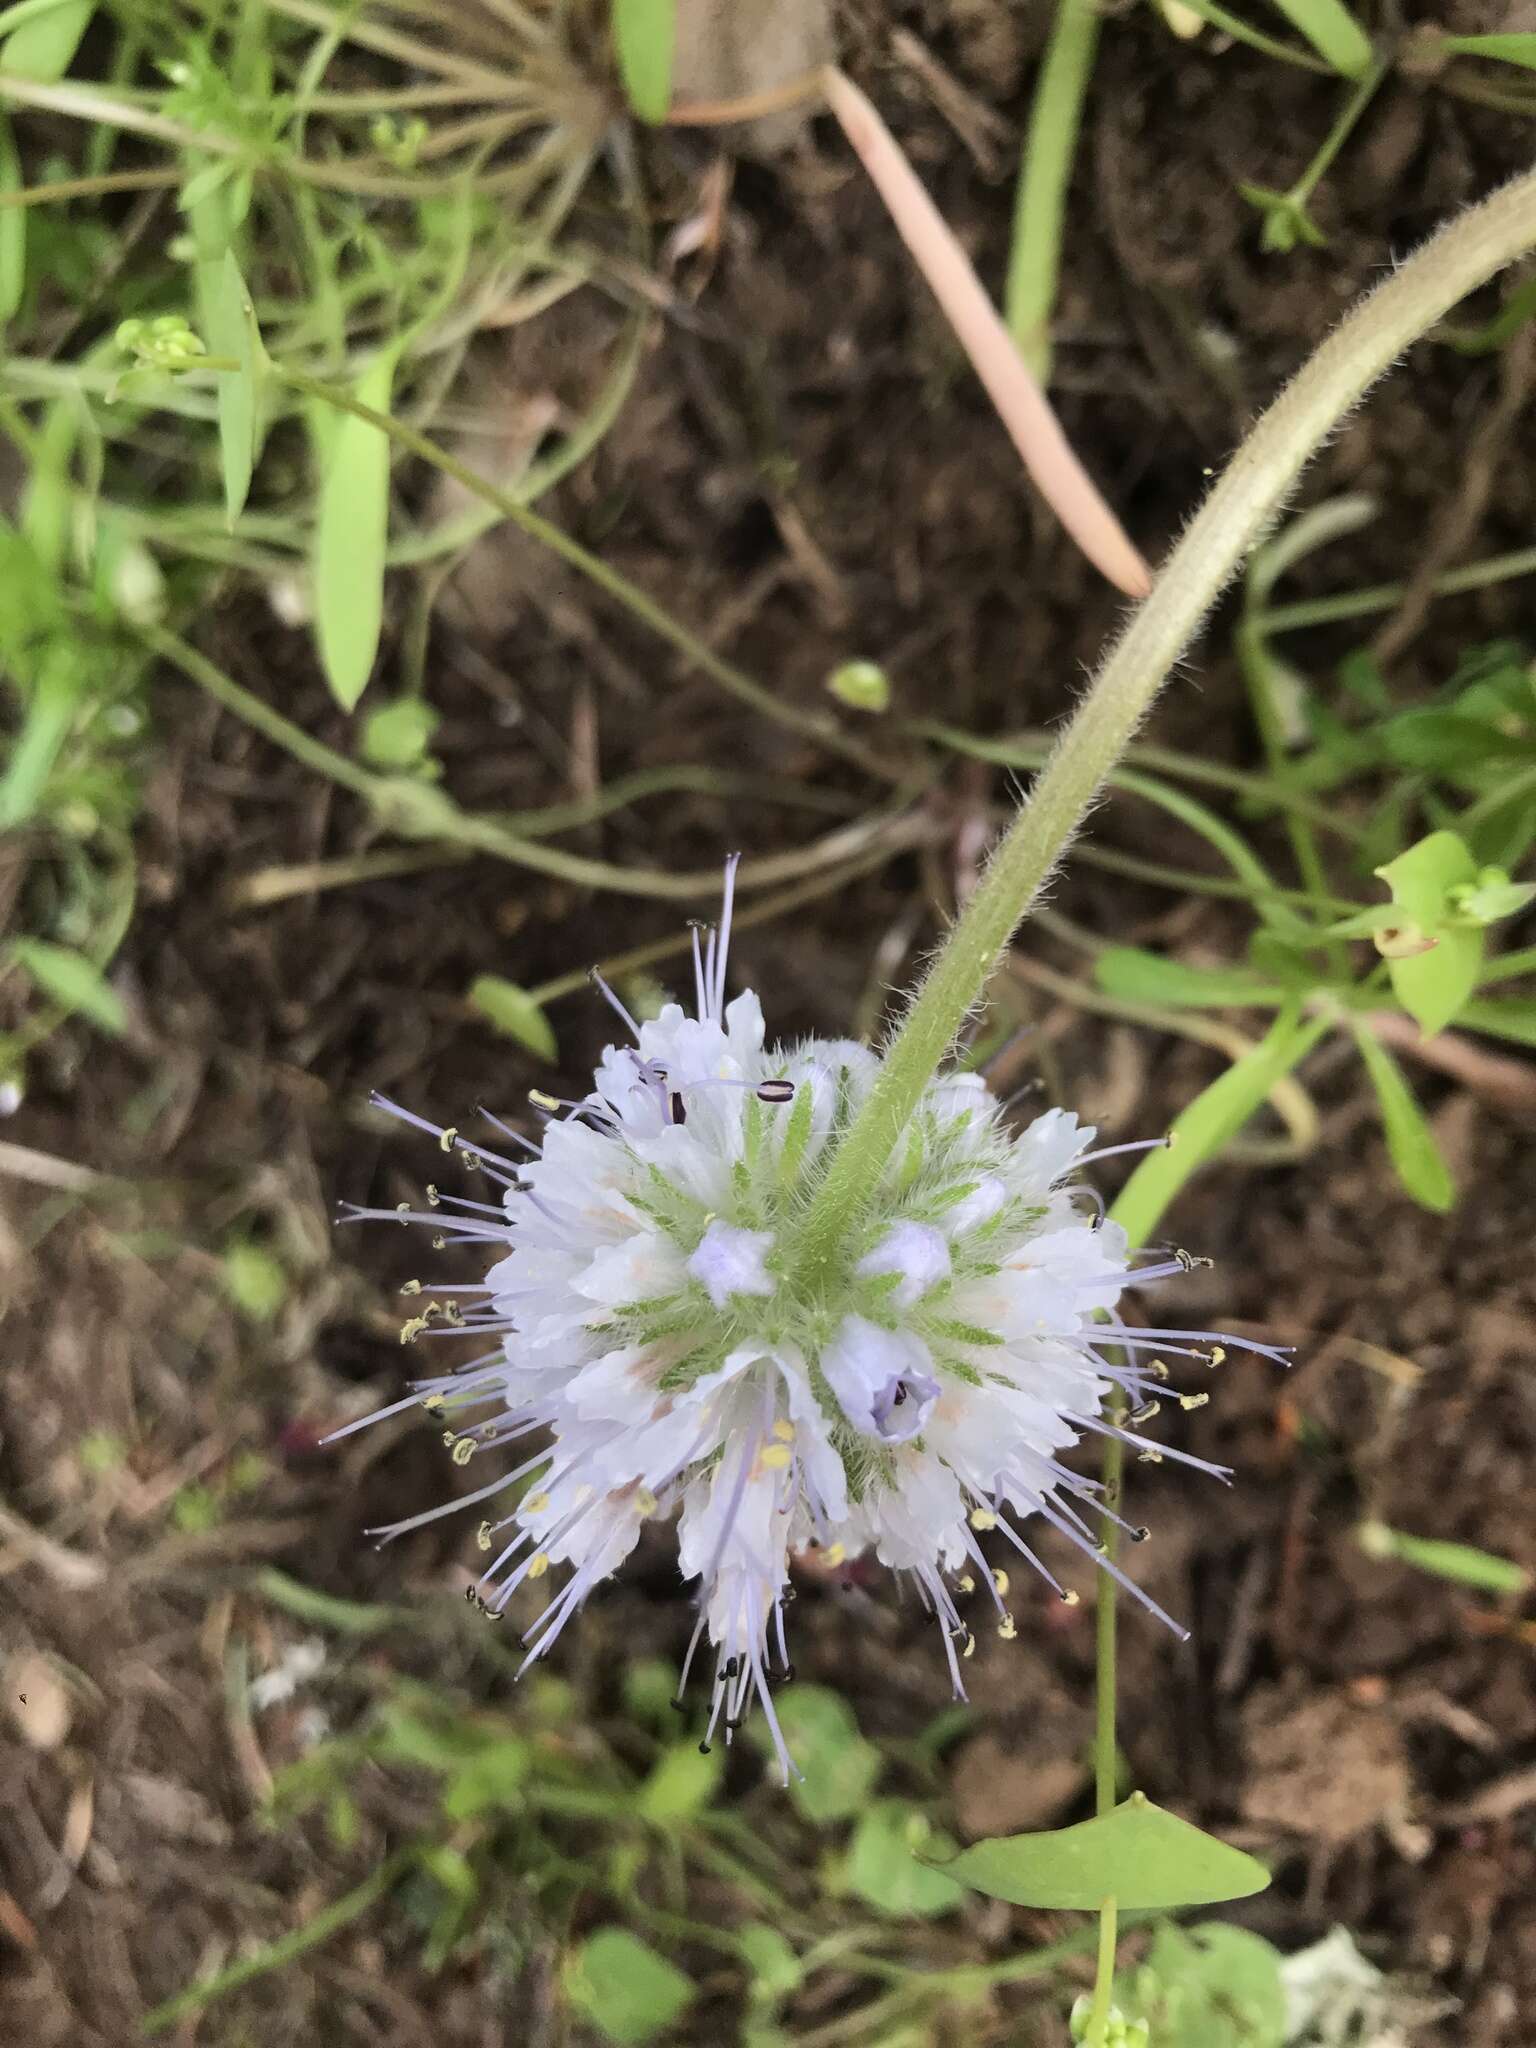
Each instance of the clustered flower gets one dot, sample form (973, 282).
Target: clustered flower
(655, 1347)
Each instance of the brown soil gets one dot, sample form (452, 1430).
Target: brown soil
(806, 472)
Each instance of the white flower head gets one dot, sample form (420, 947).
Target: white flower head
(652, 1347)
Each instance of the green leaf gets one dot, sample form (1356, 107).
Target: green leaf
(1441, 742)
(682, 1783)
(1287, 222)
(1492, 897)
(254, 1281)
(1504, 49)
(232, 331)
(13, 227)
(1210, 1986)
(838, 1767)
(627, 1991)
(1459, 1562)
(1138, 1855)
(645, 36)
(512, 1010)
(351, 532)
(1512, 1017)
(70, 980)
(882, 1866)
(1213, 1119)
(1411, 1143)
(775, 1967)
(1332, 31)
(44, 46)
(490, 1780)
(1137, 976)
(1433, 986)
(396, 736)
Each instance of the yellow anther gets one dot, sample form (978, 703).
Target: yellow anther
(1000, 1580)
(970, 1646)
(983, 1518)
(463, 1450)
(1158, 1369)
(1217, 1355)
(483, 1536)
(434, 1403)
(834, 1554)
(536, 1503)
(1150, 1457)
(538, 1564)
(403, 1211)
(967, 1584)
(411, 1287)
(784, 1431)
(776, 1457)
(542, 1101)
(1007, 1628)
(1070, 1599)
(434, 1199)
(1193, 1400)
(439, 1243)
(410, 1331)
(645, 1501)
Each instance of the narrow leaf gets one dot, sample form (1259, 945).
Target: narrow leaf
(1442, 742)
(1461, 1563)
(43, 44)
(13, 227)
(232, 332)
(1213, 1119)
(512, 1010)
(645, 36)
(1332, 31)
(1505, 49)
(1512, 1017)
(70, 980)
(351, 532)
(1137, 976)
(1411, 1143)
(1139, 1855)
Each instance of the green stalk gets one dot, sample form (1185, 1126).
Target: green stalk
(1034, 261)
(1404, 306)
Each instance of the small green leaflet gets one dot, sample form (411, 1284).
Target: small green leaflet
(1213, 1119)
(1137, 976)
(1512, 1017)
(1332, 31)
(1211, 1986)
(882, 1866)
(351, 531)
(623, 1988)
(1410, 1142)
(1505, 49)
(682, 1782)
(13, 227)
(1432, 986)
(69, 980)
(232, 332)
(1138, 1855)
(47, 34)
(838, 1766)
(1458, 1562)
(512, 1010)
(645, 35)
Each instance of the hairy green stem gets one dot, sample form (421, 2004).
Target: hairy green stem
(1463, 255)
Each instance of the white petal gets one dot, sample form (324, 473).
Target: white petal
(732, 1261)
(882, 1379)
(917, 1252)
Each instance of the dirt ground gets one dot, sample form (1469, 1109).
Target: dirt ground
(806, 472)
